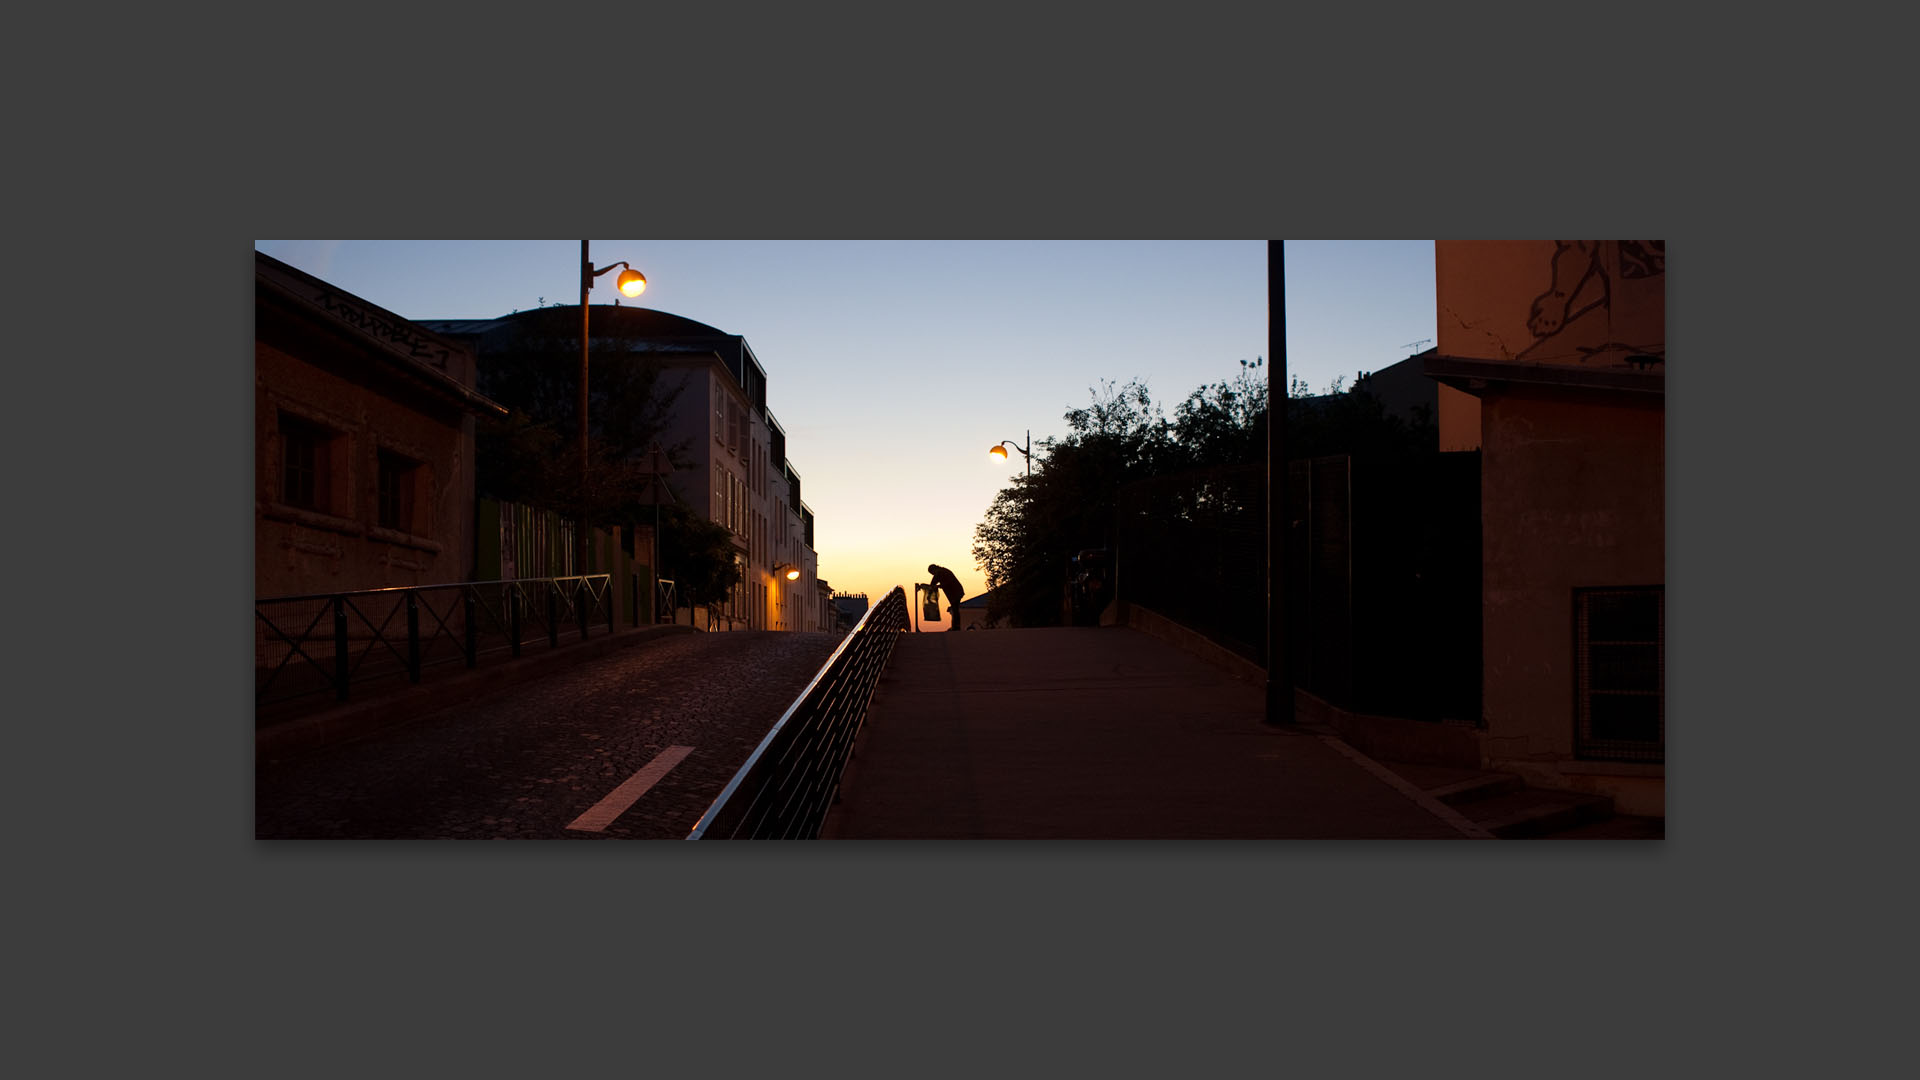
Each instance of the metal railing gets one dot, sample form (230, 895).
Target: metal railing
(310, 645)
(665, 603)
(793, 777)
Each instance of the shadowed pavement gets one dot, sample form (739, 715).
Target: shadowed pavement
(1103, 733)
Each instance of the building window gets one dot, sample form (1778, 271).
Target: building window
(306, 464)
(399, 479)
(1620, 674)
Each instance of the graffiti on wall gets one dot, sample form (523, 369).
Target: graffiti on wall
(388, 330)
(1604, 303)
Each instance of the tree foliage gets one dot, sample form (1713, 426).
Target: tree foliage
(697, 555)
(532, 456)
(1037, 523)
(532, 366)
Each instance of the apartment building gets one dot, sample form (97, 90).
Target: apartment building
(728, 450)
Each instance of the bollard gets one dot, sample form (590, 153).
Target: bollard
(340, 668)
(413, 637)
(553, 614)
(473, 629)
(513, 617)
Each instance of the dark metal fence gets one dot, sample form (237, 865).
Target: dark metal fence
(1382, 577)
(793, 777)
(308, 646)
(1194, 548)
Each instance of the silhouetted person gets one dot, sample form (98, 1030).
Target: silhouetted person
(944, 580)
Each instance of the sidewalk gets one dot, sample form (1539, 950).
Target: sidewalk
(1103, 733)
(321, 722)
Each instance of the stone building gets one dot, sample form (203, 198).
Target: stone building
(363, 442)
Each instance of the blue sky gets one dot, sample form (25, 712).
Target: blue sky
(894, 364)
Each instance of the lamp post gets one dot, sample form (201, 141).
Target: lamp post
(1026, 451)
(1279, 688)
(656, 468)
(632, 283)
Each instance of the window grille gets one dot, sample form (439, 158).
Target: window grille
(1620, 674)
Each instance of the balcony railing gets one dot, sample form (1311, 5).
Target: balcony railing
(793, 777)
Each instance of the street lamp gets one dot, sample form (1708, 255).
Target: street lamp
(787, 570)
(1000, 451)
(631, 282)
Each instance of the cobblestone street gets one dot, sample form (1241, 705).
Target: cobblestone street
(530, 761)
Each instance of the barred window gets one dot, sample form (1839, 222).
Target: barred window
(1620, 674)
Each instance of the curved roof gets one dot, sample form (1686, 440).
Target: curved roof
(645, 322)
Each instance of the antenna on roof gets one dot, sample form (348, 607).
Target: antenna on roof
(1413, 346)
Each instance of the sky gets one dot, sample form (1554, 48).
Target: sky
(894, 365)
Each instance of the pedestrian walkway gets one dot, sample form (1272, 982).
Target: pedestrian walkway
(1102, 733)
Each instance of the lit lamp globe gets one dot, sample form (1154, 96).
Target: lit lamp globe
(999, 452)
(793, 573)
(631, 282)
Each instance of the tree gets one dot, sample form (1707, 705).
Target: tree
(697, 555)
(1223, 423)
(532, 365)
(1035, 525)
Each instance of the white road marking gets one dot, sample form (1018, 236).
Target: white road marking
(619, 799)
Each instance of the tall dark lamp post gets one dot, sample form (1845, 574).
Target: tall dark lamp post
(1279, 675)
(1026, 451)
(657, 467)
(631, 282)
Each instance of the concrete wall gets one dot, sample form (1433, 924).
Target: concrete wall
(1572, 478)
(1572, 496)
(1459, 420)
(1581, 303)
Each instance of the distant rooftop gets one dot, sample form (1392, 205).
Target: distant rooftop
(646, 322)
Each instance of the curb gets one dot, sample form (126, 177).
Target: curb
(1322, 721)
(1425, 801)
(357, 719)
